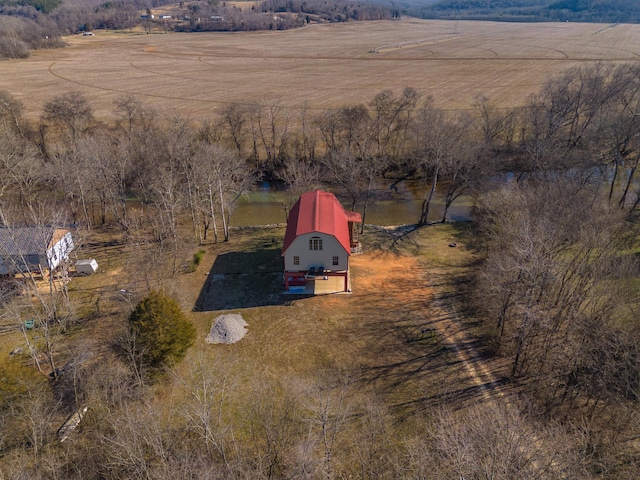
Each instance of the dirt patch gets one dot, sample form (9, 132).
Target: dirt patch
(416, 295)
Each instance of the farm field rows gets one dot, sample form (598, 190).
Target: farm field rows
(320, 66)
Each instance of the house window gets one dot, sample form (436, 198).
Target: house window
(315, 243)
(335, 261)
(296, 260)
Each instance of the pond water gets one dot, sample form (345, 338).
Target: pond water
(399, 205)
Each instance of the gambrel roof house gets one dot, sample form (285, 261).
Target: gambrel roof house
(33, 249)
(319, 239)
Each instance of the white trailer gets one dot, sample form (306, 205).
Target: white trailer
(87, 266)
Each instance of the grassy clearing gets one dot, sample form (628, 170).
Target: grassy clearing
(375, 336)
(390, 347)
(382, 337)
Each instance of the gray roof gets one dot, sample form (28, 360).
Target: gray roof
(17, 241)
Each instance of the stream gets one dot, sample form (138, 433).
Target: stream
(387, 206)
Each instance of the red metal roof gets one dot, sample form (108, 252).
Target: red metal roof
(320, 212)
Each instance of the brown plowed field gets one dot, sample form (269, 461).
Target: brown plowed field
(323, 66)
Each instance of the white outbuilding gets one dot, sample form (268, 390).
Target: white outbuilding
(86, 266)
(33, 249)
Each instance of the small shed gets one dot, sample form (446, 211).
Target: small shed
(86, 266)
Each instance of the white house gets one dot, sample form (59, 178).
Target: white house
(33, 249)
(318, 242)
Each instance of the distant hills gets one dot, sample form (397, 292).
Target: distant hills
(44, 6)
(604, 11)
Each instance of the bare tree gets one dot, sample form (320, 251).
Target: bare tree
(37, 413)
(550, 262)
(206, 409)
(357, 134)
(559, 122)
(70, 115)
(617, 127)
(224, 178)
(135, 443)
(138, 121)
(273, 120)
(304, 144)
(350, 159)
(440, 151)
(274, 422)
(208, 203)
(391, 119)
(497, 442)
(497, 126)
(346, 170)
(129, 110)
(373, 442)
(97, 172)
(299, 176)
(234, 118)
(461, 167)
(331, 411)
(166, 191)
(72, 175)
(329, 127)
(21, 179)
(11, 114)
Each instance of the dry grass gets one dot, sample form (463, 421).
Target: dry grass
(402, 285)
(322, 66)
(374, 335)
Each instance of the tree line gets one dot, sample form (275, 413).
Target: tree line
(584, 120)
(598, 11)
(273, 15)
(556, 288)
(92, 169)
(296, 429)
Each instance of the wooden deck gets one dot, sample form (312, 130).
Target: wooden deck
(323, 286)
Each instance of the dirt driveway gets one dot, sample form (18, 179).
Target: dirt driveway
(419, 299)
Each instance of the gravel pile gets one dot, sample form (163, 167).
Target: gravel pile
(228, 328)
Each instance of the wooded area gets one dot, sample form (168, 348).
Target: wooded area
(552, 290)
(600, 11)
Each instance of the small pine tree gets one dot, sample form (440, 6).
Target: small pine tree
(162, 332)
